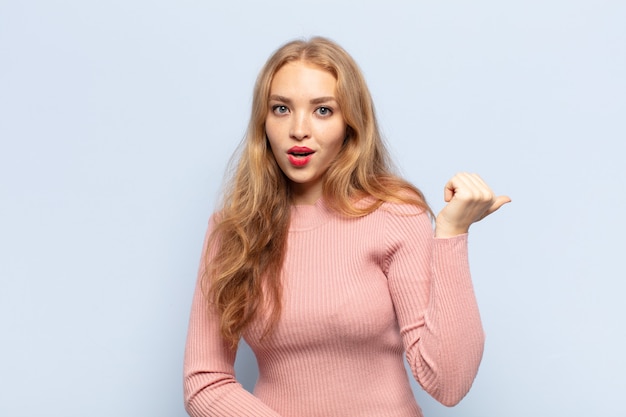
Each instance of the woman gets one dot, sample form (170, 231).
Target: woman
(327, 264)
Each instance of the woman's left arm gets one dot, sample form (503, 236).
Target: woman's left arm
(431, 287)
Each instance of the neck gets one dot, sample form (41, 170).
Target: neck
(302, 196)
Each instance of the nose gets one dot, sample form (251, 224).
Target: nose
(299, 128)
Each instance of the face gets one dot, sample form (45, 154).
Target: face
(305, 126)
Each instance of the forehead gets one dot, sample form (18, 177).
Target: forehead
(301, 78)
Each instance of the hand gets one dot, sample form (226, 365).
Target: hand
(469, 200)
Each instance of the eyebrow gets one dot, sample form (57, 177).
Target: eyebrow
(317, 100)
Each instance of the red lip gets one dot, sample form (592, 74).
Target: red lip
(299, 150)
(299, 156)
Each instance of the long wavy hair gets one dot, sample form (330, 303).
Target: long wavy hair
(246, 249)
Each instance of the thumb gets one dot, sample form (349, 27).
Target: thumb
(499, 202)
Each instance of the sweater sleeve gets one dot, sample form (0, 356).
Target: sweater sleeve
(210, 387)
(432, 292)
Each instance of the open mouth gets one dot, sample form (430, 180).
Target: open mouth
(301, 154)
(300, 151)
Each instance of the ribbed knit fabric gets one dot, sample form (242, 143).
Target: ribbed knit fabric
(358, 294)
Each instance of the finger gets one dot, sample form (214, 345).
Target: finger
(448, 192)
(480, 187)
(449, 189)
(454, 185)
(476, 179)
(466, 187)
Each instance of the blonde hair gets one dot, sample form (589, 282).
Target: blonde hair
(247, 246)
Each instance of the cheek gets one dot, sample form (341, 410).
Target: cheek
(273, 149)
(275, 129)
(271, 134)
(336, 136)
(273, 145)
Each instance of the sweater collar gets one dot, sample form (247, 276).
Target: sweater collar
(309, 216)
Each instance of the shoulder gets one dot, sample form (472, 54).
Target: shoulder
(402, 209)
(403, 219)
(408, 232)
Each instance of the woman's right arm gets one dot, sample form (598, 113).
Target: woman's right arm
(210, 386)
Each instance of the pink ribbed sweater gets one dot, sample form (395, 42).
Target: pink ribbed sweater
(358, 293)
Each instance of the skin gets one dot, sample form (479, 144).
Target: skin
(469, 200)
(303, 111)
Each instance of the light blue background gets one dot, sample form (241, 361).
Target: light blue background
(117, 119)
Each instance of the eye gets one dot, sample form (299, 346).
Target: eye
(324, 111)
(280, 109)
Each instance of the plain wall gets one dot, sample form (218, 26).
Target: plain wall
(117, 120)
